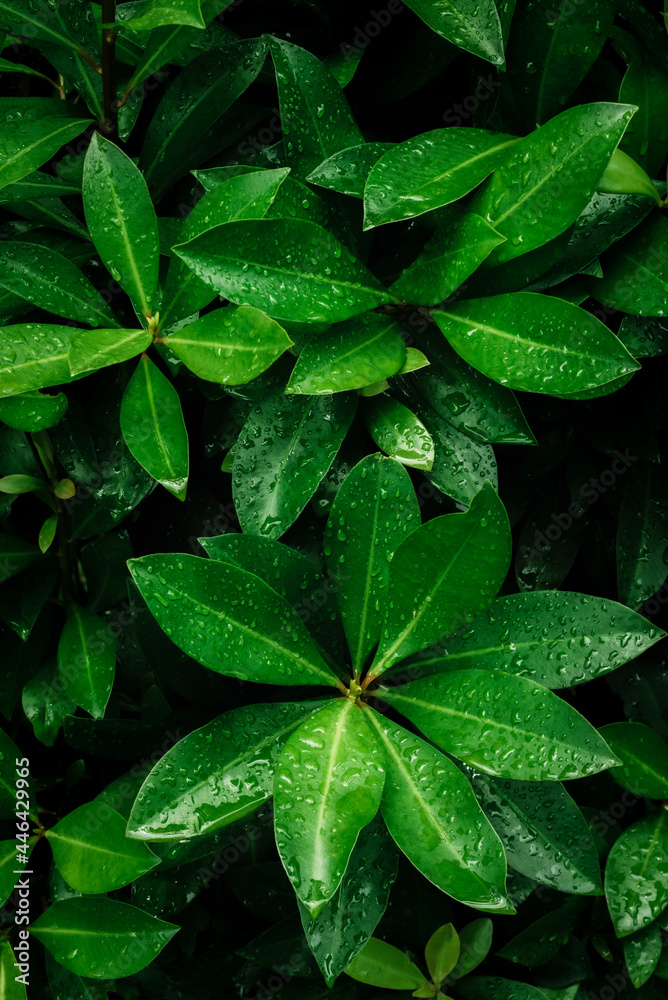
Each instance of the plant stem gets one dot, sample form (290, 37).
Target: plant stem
(110, 103)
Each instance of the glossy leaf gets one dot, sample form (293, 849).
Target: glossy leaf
(346, 922)
(27, 144)
(33, 411)
(449, 258)
(347, 170)
(34, 356)
(100, 938)
(13, 988)
(248, 630)
(92, 851)
(373, 512)
(641, 534)
(442, 576)
(316, 119)
(328, 785)
(636, 874)
(545, 181)
(431, 170)
(641, 954)
(121, 220)
(434, 818)
(635, 271)
(381, 964)
(285, 448)
(398, 432)
(217, 774)
(53, 282)
(556, 639)
(544, 834)
(157, 13)
(95, 349)
(232, 345)
(290, 268)
(474, 27)
(87, 660)
(153, 427)
(624, 176)
(349, 355)
(46, 703)
(496, 988)
(644, 757)
(534, 342)
(503, 725)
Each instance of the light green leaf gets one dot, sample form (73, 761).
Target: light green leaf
(636, 874)
(373, 512)
(92, 851)
(121, 221)
(442, 952)
(534, 342)
(231, 345)
(248, 630)
(431, 170)
(328, 785)
(33, 411)
(153, 427)
(503, 725)
(34, 356)
(87, 660)
(398, 432)
(349, 355)
(157, 13)
(624, 176)
(432, 814)
(95, 349)
(12, 988)
(381, 964)
(217, 774)
(27, 144)
(100, 938)
(443, 576)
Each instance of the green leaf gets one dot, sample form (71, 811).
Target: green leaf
(157, 13)
(381, 964)
(475, 940)
(545, 938)
(349, 355)
(231, 197)
(15, 485)
(347, 170)
(53, 282)
(642, 952)
(9, 753)
(534, 342)
(34, 356)
(100, 938)
(431, 170)
(373, 512)
(449, 258)
(290, 268)
(285, 448)
(33, 411)
(95, 349)
(47, 533)
(348, 919)
(248, 631)
(231, 345)
(217, 774)
(192, 104)
(646, 85)
(559, 854)
(92, 851)
(644, 757)
(12, 987)
(636, 874)
(641, 534)
(524, 634)
(635, 271)
(87, 660)
(10, 860)
(27, 144)
(503, 725)
(434, 817)
(545, 181)
(442, 576)
(551, 51)
(644, 336)
(121, 221)
(484, 987)
(316, 119)
(398, 432)
(473, 26)
(45, 703)
(442, 952)
(153, 427)
(15, 554)
(328, 785)
(624, 176)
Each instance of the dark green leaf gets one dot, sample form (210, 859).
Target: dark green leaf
(476, 940)
(347, 170)
(545, 938)
(472, 26)
(27, 144)
(635, 272)
(87, 660)
(636, 874)
(15, 554)
(45, 703)
(644, 757)
(646, 140)
(641, 954)
(641, 534)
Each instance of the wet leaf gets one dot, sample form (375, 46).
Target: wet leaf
(398, 432)
(472, 26)
(95, 349)
(646, 139)
(641, 534)
(476, 940)
(46, 703)
(635, 271)
(33, 411)
(644, 757)
(347, 170)
(34, 356)
(27, 144)
(87, 660)
(642, 952)
(636, 874)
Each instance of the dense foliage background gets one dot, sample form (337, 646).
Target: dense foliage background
(279, 283)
